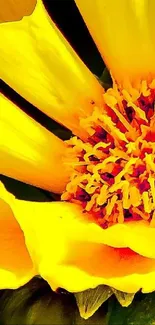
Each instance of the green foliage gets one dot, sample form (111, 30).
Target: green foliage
(90, 300)
(35, 303)
(140, 312)
(125, 299)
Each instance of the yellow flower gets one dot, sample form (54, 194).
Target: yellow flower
(104, 233)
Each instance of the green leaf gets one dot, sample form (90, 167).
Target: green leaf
(35, 303)
(140, 312)
(90, 300)
(125, 299)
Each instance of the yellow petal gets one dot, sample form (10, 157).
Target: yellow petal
(12, 10)
(124, 32)
(29, 152)
(89, 265)
(68, 249)
(16, 267)
(137, 235)
(45, 70)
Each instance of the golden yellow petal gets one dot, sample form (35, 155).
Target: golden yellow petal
(124, 32)
(44, 69)
(89, 265)
(13, 10)
(137, 235)
(29, 152)
(68, 249)
(16, 267)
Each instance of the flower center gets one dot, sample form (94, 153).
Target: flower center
(114, 168)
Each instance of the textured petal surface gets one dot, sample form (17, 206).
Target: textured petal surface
(16, 267)
(45, 70)
(12, 10)
(69, 250)
(124, 32)
(28, 152)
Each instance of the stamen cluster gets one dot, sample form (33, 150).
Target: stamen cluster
(114, 169)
